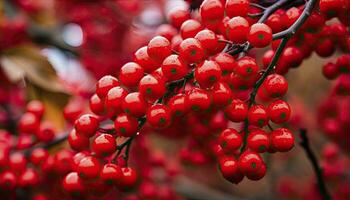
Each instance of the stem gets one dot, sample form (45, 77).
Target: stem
(58, 140)
(304, 143)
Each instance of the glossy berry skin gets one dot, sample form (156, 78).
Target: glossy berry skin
(208, 39)
(235, 8)
(279, 111)
(275, 85)
(207, 73)
(105, 84)
(237, 111)
(158, 116)
(211, 11)
(282, 140)
(237, 29)
(226, 62)
(46, 132)
(174, 68)
(258, 115)
(36, 107)
(178, 105)
(87, 125)
(72, 183)
(114, 100)
(198, 99)
(230, 140)
(17, 162)
(246, 67)
(129, 177)
(151, 88)
(222, 94)
(97, 105)
(104, 145)
(178, 16)
(78, 142)
(229, 169)
(258, 141)
(190, 28)
(28, 123)
(130, 74)
(142, 58)
(134, 104)
(250, 163)
(126, 125)
(191, 51)
(28, 178)
(8, 180)
(159, 48)
(89, 167)
(111, 173)
(260, 35)
(38, 156)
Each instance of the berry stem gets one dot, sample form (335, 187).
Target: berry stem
(58, 140)
(304, 143)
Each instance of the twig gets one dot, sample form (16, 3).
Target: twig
(304, 143)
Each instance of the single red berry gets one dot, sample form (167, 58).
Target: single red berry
(235, 8)
(291, 15)
(8, 180)
(28, 123)
(275, 85)
(174, 68)
(114, 100)
(87, 125)
(282, 140)
(97, 105)
(207, 73)
(226, 62)
(78, 142)
(63, 161)
(28, 178)
(89, 167)
(72, 183)
(276, 22)
(104, 145)
(158, 116)
(279, 111)
(332, 7)
(211, 11)
(230, 140)
(259, 173)
(260, 35)
(198, 99)
(167, 31)
(126, 125)
(258, 115)
(152, 88)
(159, 48)
(105, 84)
(46, 132)
(178, 105)
(237, 111)
(178, 16)
(237, 29)
(250, 163)
(191, 51)
(36, 107)
(130, 74)
(246, 67)
(208, 39)
(134, 104)
(343, 63)
(190, 28)
(222, 94)
(229, 169)
(111, 173)
(292, 57)
(142, 58)
(17, 162)
(38, 156)
(325, 47)
(129, 177)
(258, 141)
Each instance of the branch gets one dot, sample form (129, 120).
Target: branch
(304, 143)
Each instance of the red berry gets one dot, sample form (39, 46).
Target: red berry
(134, 104)
(237, 29)
(97, 105)
(258, 141)
(78, 142)
(17, 162)
(198, 99)
(207, 73)
(258, 116)
(178, 16)
(46, 132)
(152, 88)
(28, 178)
(250, 163)
(282, 140)
(332, 7)
(38, 156)
(104, 145)
(174, 68)
(260, 35)
(159, 48)
(222, 94)
(129, 177)
(178, 105)
(275, 85)
(190, 28)
(235, 8)
(191, 51)
(130, 74)
(229, 169)
(158, 116)
(126, 125)
(72, 183)
(114, 100)
(279, 111)
(89, 167)
(237, 111)
(230, 140)
(111, 173)
(141, 57)
(29, 123)
(87, 125)
(8, 180)
(105, 84)
(167, 31)
(246, 67)
(226, 62)
(36, 107)
(211, 11)
(208, 39)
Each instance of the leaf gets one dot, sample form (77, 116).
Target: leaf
(28, 63)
